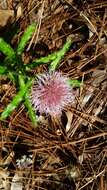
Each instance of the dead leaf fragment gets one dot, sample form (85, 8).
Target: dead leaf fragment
(5, 16)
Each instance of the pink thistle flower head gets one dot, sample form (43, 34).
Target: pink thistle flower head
(51, 93)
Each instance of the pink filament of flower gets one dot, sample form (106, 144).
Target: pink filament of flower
(51, 93)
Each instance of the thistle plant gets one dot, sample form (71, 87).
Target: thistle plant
(54, 84)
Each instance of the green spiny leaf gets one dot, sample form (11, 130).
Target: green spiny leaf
(27, 102)
(54, 58)
(6, 49)
(15, 102)
(74, 83)
(32, 114)
(3, 70)
(43, 60)
(25, 38)
(60, 54)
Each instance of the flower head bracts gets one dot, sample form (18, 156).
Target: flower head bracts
(51, 93)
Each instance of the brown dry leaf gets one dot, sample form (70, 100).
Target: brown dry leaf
(17, 182)
(4, 180)
(3, 4)
(19, 11)
(5, 16)
(69, 117)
